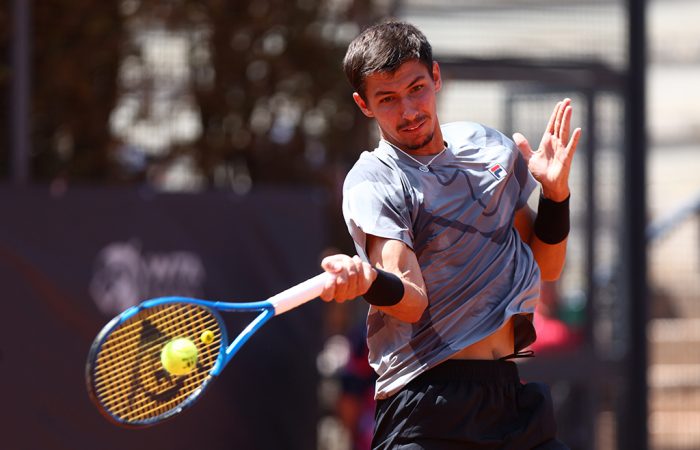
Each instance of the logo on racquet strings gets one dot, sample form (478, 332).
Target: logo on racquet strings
(148, 375)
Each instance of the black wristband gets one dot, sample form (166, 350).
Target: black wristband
(552, 222)
(386, 289)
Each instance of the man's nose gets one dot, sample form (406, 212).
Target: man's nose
(409, 111)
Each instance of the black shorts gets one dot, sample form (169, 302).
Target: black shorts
(467, 405)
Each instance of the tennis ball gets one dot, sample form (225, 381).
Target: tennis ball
(207, 337)
(179, 356)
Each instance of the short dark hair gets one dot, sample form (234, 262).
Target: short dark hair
(384, 48)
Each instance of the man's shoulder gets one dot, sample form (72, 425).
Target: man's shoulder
(477, 140)
(464, 130)
(461, 127)
(370, 166)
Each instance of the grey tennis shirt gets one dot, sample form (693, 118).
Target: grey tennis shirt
(458, 219)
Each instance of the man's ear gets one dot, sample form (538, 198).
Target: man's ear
(359, 101)
(436, 76)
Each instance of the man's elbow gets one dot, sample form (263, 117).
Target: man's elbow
(414, 316)
(411, 313)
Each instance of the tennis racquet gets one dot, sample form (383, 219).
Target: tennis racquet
(125, 376)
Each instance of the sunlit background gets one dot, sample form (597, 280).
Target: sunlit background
(236, 98)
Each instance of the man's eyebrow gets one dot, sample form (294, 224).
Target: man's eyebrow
(415, 80)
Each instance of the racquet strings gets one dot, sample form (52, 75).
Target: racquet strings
(128, 378)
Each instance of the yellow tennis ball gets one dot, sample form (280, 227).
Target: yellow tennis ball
(207, 337)
(179, 356)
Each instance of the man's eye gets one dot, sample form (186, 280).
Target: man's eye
(386, 99)
(417, 88)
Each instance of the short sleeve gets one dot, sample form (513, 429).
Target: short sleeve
(374, 202)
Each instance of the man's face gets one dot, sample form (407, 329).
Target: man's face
(403, 104)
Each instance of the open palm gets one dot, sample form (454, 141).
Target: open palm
(550, 164)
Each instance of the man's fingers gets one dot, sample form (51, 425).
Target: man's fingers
(331, 264)
(349, 277)
(552, 119)
(561, 108)
(344, 278)
(328, 289)
(573, 144)
(565, 125)
(565, 154)
(340, 286)
(349, 289)
(523, 146)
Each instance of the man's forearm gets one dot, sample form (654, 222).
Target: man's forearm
(550, 233)
(550, 257)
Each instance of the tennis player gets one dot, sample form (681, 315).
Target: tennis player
(450, 256)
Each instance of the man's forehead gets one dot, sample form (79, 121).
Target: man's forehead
(407, 73)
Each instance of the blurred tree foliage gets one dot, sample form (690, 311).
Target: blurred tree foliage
(277, 104)
(192, 94)
(76, 49)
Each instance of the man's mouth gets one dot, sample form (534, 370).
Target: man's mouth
(413, 127)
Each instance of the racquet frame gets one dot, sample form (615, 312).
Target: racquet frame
(139, 314)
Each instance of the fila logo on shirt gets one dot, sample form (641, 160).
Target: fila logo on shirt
(497, 171)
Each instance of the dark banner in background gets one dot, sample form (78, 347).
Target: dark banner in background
(70, 262)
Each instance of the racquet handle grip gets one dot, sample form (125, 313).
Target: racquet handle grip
(299, 294)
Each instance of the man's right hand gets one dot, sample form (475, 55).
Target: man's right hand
(350, 277)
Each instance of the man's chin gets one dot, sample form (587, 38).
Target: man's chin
(420, 144)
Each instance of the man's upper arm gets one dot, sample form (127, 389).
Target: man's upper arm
(524, 221)
(394, 256)
(550, 258)
(374, 203)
